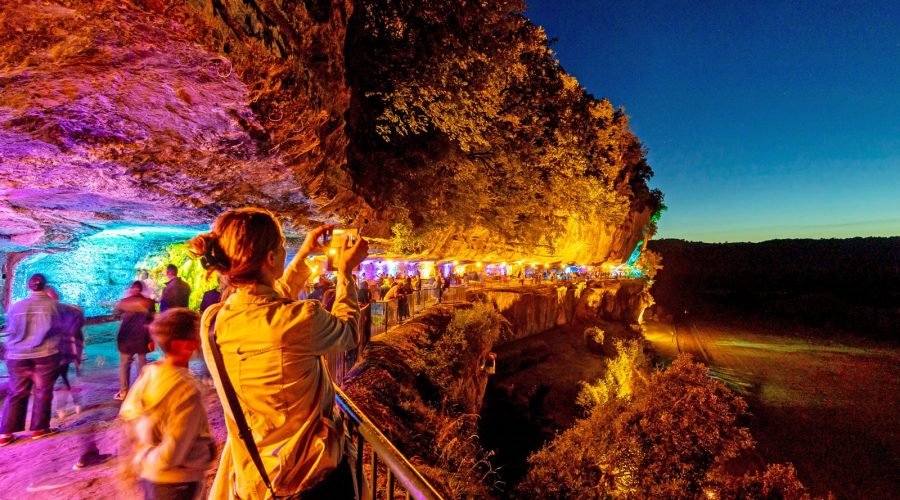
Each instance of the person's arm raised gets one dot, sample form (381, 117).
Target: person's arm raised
(294, 279)
(339, 330)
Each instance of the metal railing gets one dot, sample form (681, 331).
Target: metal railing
(387, 314)
(371, 444)
(375, 454)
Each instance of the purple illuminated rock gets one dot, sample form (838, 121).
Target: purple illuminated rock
(113, 112)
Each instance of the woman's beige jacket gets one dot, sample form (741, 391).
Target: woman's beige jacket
(272, 346)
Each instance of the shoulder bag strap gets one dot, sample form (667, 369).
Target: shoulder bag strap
(235, 406)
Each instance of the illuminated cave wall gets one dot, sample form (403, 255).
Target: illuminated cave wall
(96, 273)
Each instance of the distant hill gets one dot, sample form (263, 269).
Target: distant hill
(847, 284)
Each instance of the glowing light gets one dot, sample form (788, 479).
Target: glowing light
(546, 266)
(478, 264)
(391, 267)
(332, 251)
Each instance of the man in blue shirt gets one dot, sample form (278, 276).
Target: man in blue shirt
(32, 359)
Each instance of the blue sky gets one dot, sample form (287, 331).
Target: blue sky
(762, 119)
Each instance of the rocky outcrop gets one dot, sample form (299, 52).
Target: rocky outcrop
(119, 112)
(160, 112)
(613, 300)
(532, 310)
(581, 242)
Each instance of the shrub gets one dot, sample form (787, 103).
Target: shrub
(779, 481)
(665, 441)
(619, 379)
(470, 334)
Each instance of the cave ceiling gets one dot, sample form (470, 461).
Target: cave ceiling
(165, 113)
(120, 113)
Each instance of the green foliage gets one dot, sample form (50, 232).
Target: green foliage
(620, 379)
(403, 240)
(667, 441)
(649, 263)
(461, 112)
(189, 269)
(471, 332)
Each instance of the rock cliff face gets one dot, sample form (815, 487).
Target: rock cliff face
(582, 242)
(152, 112)
(614, 300)
(146, 113)
(535, 310)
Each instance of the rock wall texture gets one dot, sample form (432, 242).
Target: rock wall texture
(534, 310)
(164, 112)
(582, 242)
(148, 112)
(614, 300)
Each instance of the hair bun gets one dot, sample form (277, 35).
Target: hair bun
(212, 256)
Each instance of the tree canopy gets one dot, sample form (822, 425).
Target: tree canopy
(461, 114)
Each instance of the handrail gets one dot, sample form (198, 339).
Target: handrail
(398, 466)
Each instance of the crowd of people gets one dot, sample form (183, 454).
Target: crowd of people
(263, 345)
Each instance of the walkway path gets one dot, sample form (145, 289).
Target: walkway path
(43, 468)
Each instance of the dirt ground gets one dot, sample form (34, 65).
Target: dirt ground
(830, 408)
(43, 468)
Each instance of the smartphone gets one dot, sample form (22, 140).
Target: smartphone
(337, 239)
(342, 236)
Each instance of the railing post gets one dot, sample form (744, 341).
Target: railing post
(374, 465)
(397, 465)
(360, 472)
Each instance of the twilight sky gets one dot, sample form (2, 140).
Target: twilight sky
(764, 119)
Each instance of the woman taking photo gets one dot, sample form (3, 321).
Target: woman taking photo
(270, 346)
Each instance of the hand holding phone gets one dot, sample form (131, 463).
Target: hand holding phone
(317, 241)
(353, 250)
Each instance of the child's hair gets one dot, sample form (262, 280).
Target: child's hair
(179, 323)
(238, 243)
(37, 282)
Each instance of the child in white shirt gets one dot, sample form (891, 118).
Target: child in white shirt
(165, 419)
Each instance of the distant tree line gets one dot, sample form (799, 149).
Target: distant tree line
(461, 116)
(848, 284)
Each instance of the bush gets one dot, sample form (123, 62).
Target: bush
(470, 334)
(663, 441)
(778, 482)
(619, 379)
